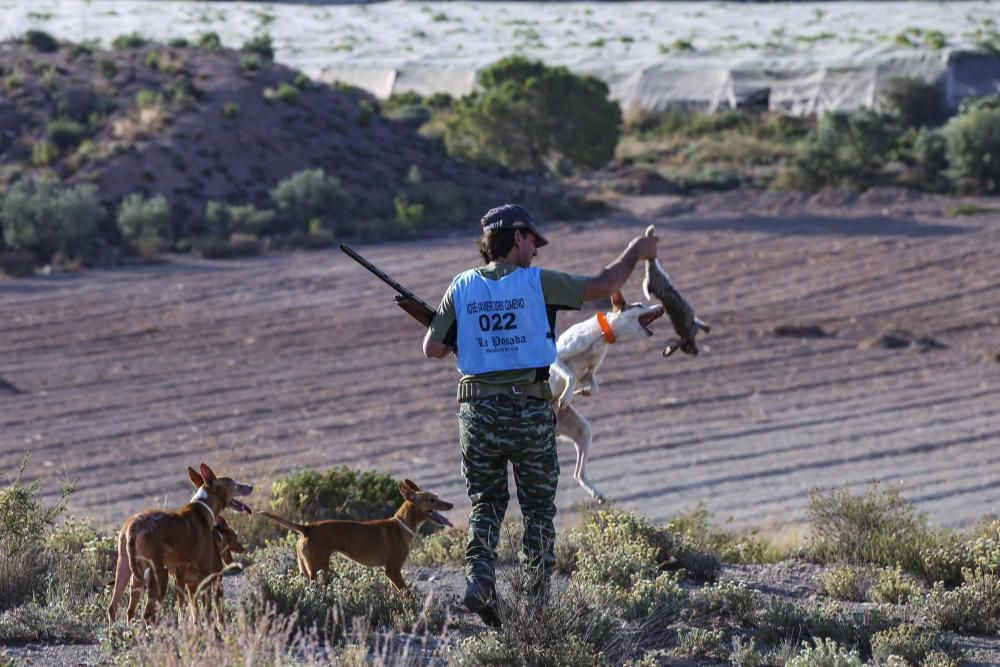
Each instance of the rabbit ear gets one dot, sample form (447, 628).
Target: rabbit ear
(618, 302)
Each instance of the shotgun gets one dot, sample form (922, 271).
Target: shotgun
(405, 299)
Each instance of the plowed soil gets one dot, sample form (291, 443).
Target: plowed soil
(265, 365)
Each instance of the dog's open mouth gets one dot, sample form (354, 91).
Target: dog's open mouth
(240, 507)
(648, 318)
(439, 519)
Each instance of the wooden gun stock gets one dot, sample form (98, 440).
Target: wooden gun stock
(417, 310)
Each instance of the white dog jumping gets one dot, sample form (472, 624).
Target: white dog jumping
(579, 353)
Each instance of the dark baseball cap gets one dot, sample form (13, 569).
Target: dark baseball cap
(512, 216)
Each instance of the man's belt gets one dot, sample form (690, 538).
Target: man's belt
(470, 391)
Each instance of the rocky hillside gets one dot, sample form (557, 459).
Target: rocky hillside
(199, 123)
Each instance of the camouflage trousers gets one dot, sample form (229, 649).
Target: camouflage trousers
(493, 431)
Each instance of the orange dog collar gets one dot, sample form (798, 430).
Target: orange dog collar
(605, 327)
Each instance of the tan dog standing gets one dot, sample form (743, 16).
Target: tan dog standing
(381, 543)
(580, 351)
(153, 541)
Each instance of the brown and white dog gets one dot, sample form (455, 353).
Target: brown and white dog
(381, 543)
(580, 351)
(153, 541)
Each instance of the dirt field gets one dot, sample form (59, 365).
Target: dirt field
(266, 365)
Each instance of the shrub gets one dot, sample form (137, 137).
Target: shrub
(847, 149)
(930, 153)
(250, 61)
(445, 547)
(972, 608)
(208, 41)
(306, 195)
(916, 102)
(41, 41)
(846, 582)
(699, 642)
(237, 245)
(43, 153)
(47, 219)
(66, 133)
(24, 522)
(878, 528)
(16, 263)
(51, 623)
(909, 642)
(946, 559)
(132, 40)
(728, 599)
(260, 45)
(891, 586)
(747, 654)
(365, 113)
(528, 115)
(230, 110)
(973, 144)
(145, 224)
(489, 650)
(850, 626)
(825, 653)
(178, 43)
(223, 220)
(409, 213)
(731, 548)
(346, 592)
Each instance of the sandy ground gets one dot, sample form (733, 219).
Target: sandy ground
(267, 365)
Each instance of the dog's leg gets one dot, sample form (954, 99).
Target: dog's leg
(396, 577)
(568, 379)
(156, 587)
(122, 575)
(574, 426)
(135, 592)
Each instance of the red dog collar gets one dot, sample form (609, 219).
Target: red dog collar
(605, 328)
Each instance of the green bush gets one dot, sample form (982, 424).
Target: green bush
(443, 548)
(972, 608)
(50, 220)
(365, 113)
(973, 145)
(696, 525)
(892, 586)
(879, 528)
(260, 45)
(847, 149)
(930, 153)
(916, 102)
(132, 40)
(178, 43)
(825, 653)
(701, 642)
(66, 134)
(849, 583)
(409, 213)
(529, 117)
(41, 41)
(250, 61)
(44, 153)
(945, 559)
(24, 522)
(145, 224)
(237, 245)
(909, 642)
(209, 41)
(728, 599)
(224, 220)
(57, 622)
(307, 195)
(331, 604)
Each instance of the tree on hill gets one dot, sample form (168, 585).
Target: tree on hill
(531, 117)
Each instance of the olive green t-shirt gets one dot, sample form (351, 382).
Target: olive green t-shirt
(562, 291)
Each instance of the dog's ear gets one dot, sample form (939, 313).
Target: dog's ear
(196, 479)
(410, 483)
(618, 302)
(405, 491)
(207, 473)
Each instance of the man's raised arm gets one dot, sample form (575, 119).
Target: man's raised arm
(617, 272)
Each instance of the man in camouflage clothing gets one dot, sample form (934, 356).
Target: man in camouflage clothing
(499, 320)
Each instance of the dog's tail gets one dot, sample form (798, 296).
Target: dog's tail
(297, 527)
(133, 562)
